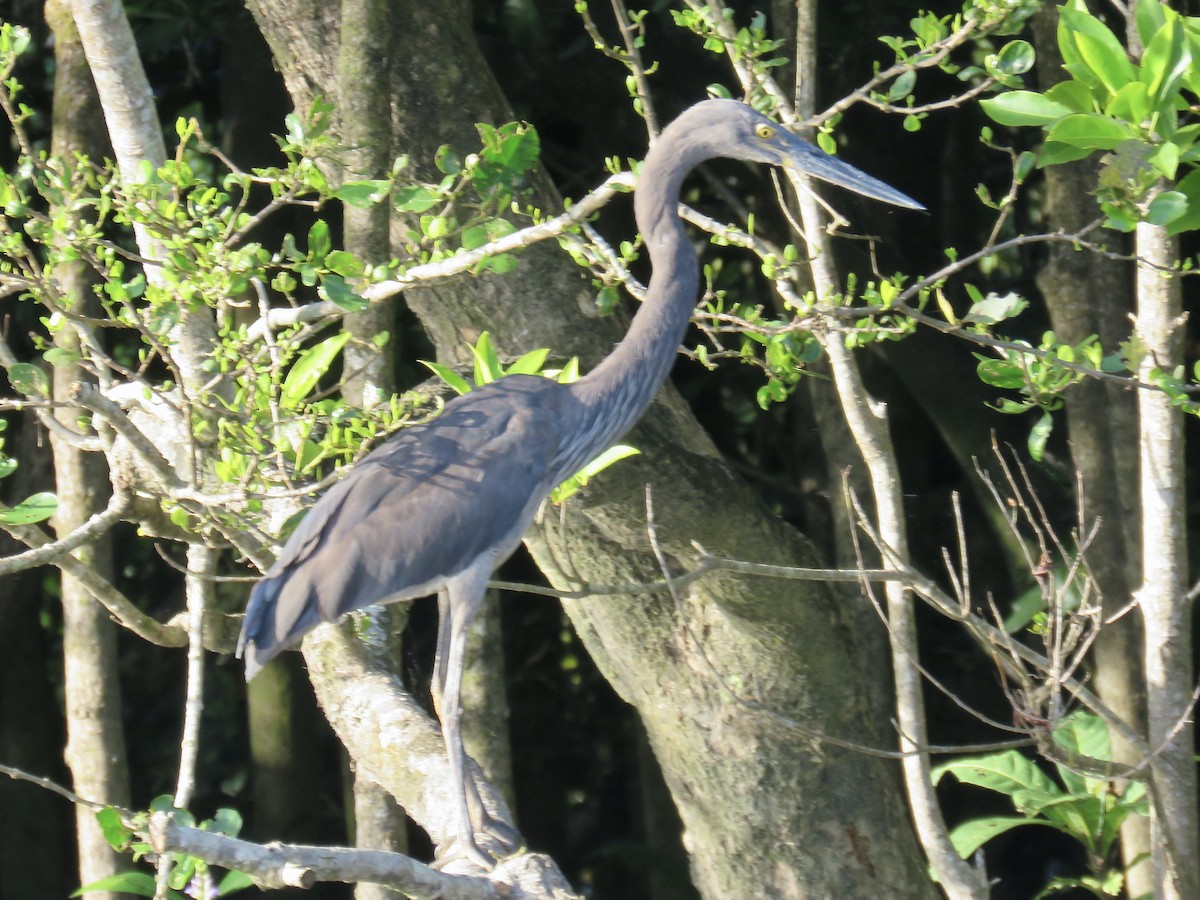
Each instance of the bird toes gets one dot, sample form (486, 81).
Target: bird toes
(462, 855)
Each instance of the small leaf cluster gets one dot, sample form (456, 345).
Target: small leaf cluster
(190, 876)
(1138, 112)
(1085, 807)
(630, 59)
(750, 46)
(466, 209)
(279, 425)
(930, 34)
(879, 323)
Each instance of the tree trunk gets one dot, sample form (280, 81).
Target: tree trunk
(95, 750)
(1087, 294)
(1162, 596)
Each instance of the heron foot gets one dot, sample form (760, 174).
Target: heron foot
(495, 841)
(463, 853)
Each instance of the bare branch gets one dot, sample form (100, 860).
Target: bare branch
(51, 551)
(290, 865)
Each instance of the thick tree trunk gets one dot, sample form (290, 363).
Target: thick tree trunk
(768, 810)
(1086, 294)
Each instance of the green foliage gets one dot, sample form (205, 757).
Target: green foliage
(488, 369)
(188, 874)
(1134, 110)
(31, 510)
(466, 209)
(36, 508)
(1083, 806)
(750, 45)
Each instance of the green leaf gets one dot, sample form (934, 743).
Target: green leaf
(970, 836)
(1015, 58)
(1072, 94)
(447, 160)
(226, 821)
(234, 882)
(33, 509)
(530, 363)
(61, 356)
(1131, 103)
(501, 263)
(1000, 373)
(459, 384)
(1039, 435)
(113, 828)
(580, 479)
(995, 308)
(318, 240)
(1024, 108)
(1084, 732)
(1166, 161)
(1075, 815)
(1006, 772)
(1097, 48)
(1053, 154)
(334, 289)
(1090, 131)
(1166, 208)
(415, 198)
(509, 150)
(1023, 609)
(1165, 62)
(487, 363)
(902, 86)
(309, 369)
(28, 379)
(345, 264)
(1189, 186)
(140, 884)
(363, 194)
(1150, 17)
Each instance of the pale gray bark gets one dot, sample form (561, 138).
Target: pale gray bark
(1162, 597)
(868, 425)
(136, 136)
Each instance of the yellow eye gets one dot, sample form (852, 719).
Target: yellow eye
(766, 132)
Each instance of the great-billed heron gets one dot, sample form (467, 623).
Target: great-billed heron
(439, 506)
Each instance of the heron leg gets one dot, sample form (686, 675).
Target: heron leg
(457, 605)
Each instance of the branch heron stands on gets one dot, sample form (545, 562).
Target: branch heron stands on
(437, 507)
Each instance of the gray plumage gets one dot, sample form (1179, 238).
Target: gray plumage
(438, 506)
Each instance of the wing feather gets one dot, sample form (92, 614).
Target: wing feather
(421, 508)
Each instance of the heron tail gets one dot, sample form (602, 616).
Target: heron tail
(260, 641)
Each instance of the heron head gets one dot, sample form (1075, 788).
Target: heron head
(738, 131)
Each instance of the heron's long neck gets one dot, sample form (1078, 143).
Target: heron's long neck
(617, 392)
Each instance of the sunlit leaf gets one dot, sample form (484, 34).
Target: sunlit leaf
(140, 884)
(1024, 108)
(970, 836)
(29, 380)
(310, 368)
(1039, 435)
(363, 194)
(36, 508)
